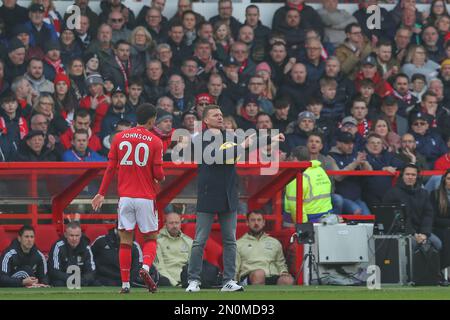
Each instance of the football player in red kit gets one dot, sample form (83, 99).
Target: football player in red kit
(136, 154)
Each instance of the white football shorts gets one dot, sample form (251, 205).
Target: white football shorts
(140, 211)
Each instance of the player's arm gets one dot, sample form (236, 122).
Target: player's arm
(107, 178)
(157, 163)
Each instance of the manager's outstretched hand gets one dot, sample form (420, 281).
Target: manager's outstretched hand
(97, 202)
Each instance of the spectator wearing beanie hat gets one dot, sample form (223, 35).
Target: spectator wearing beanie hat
(249, 110)
(40, 32)
(264, 71)
(23, 34)
(52, 60)
(306, 123)
(71, 46)
(96, 101)
(91, 63)
(15, 65)
(65, 100)
(163, 128)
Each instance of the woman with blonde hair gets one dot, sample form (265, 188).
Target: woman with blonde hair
(229, 123)
(382, 127)
(418, 62)
(45, 105)
(223, 39)
(142, 44)
(51, 16)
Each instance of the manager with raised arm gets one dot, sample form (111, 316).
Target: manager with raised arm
(217, 194)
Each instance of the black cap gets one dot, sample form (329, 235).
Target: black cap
(34, 133)
(250, 98)
(36, 7)
(18, 29)
(230, 61)
(118, 89)
(389, 101)
(420, 116)
(369, 60)
(189, 112)
(345, 137)
(15, 44)
(52, 45)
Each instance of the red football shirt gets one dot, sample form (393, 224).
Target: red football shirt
(136, 154)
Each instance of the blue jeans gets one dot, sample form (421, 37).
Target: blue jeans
(204, 221)
(350, 206)
(338, 203)
(433, 183)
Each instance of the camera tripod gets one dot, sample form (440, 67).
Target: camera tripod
(312, 264)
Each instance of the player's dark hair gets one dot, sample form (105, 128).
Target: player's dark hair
(145, 112)
(25, 228)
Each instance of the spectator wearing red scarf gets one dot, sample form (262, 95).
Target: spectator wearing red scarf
(249, 111)
(52, 60)
(97, 102)
(163, 128)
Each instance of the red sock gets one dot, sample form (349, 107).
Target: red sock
(125, 262)
(149, 251)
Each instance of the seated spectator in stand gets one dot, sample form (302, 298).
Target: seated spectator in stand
(408, 152)
(80, 151)
(25, 95)
(82, 121)
(418, 62)
(33, 149)
(387, 64)
(348, 159)
(122, 66)
(281, 116)
(72, 249)
(419, 211)
(334, 20)
(194, 84)
(315, 64)
(23, 265)
(45, 105)
(369, 71)
(12, 125)
(105, 250)
(444, 75)
(188, 120)
(40, 32)
(183, 100)
(359, 112)
(155, 82)
(118, 25)
(248, 112)
(225, 10)
(402, 93)
(345, 90)
(389, 109)
(52, 60)
(108, 6)
(354, 49)
(256, 86)
(431, 43)
(35, 75)
(135, 93)
(260, 258)
(391, 140)
(325, 125)
(164, 54)
(163, 129)
(189, 22)
(401, 43)
(428, 106)
(252, 15)
(440, 199)
(297, 86)
(429, 143)
(116, 112)
(332, 108)
(373, 100)
(15, 64)
(419, 86)
(387, 26)
(380, 159)
(173, 252)
(103, 45)
(350, 124)
(216, 90)
(65, 100)
(297, 135)
(241, 53)
(97, 103)
(436, 86)
(279, 62)
(106, 143)
(71, 46)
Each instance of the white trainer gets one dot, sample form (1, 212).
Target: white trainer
(194, 286)
(231, 286)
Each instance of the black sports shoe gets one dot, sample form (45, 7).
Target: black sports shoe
(151, 285)
(124, 290)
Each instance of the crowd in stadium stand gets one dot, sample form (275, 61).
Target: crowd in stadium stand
(356, 98)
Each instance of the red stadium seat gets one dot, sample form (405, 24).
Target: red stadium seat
(46, 236)
(95, 231)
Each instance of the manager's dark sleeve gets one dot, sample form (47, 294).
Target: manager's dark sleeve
(88, 272)
(54, 264)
